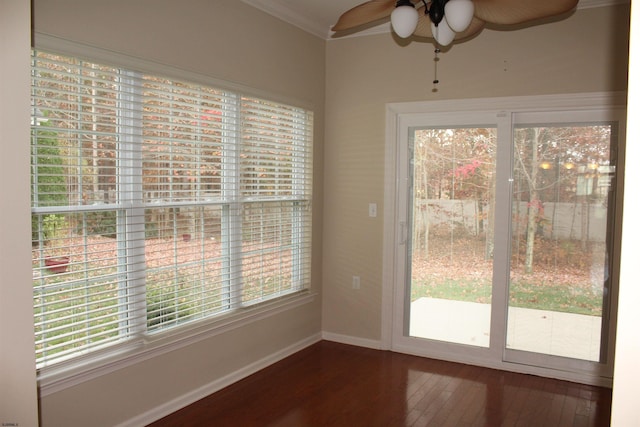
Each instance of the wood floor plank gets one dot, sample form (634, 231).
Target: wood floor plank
(555, 410)
(568, 411)
(331, 384)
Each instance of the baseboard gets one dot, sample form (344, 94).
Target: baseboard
(216, 385)
(351, 340)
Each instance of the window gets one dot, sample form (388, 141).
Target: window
(156, 202)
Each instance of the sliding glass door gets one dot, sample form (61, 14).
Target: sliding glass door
(452, 203)
(563, 204)
(507, 239)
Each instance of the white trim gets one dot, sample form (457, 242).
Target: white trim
(534, 103)
(402, 115)
(218, 384)
(389, 231)
(80, 370)
(290, 16)
(351, 340)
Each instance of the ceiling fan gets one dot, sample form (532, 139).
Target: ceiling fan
(449, 20)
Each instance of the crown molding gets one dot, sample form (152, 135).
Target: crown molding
(290, 16)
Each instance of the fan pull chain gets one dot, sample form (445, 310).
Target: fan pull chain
(436, 59)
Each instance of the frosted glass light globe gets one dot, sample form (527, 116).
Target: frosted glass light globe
(458, 14)
(404, 20)
(442, 33)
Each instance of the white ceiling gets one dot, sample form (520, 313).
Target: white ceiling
(317, 16)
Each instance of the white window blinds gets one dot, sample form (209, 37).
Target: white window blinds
(156, 202)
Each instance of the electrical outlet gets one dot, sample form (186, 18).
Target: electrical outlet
(355, 282)
(373, 210)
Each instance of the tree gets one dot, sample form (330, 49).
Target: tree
(551, 162)
(50, 184)
(453, 164)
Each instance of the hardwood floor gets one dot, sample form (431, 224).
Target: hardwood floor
(330, 384)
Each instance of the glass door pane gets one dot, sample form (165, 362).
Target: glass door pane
(562, 209)
(451, 204)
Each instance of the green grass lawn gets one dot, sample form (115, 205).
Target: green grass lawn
(557, 297)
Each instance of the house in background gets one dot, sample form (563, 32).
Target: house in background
(347, 83)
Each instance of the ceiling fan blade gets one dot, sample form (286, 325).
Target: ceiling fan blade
(509, 12)
(364, 13)
(424, 28)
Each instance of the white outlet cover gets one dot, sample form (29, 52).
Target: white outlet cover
(373, 210)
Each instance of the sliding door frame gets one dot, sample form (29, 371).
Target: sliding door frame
(401, 117)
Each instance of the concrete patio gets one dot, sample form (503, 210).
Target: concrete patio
(540, 331)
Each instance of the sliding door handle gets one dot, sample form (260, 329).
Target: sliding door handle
(402, 238)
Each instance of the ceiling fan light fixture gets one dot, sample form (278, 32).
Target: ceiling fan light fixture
(458, 14)
(404, 18)
(443, 34)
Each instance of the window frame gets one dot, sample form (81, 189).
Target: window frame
(100, 361)
(505, 110)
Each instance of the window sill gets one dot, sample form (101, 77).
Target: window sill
(102, 362)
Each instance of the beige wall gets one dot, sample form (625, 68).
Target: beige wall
(223, 38)
(227, 40)
(585, 53)
(18, 405)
